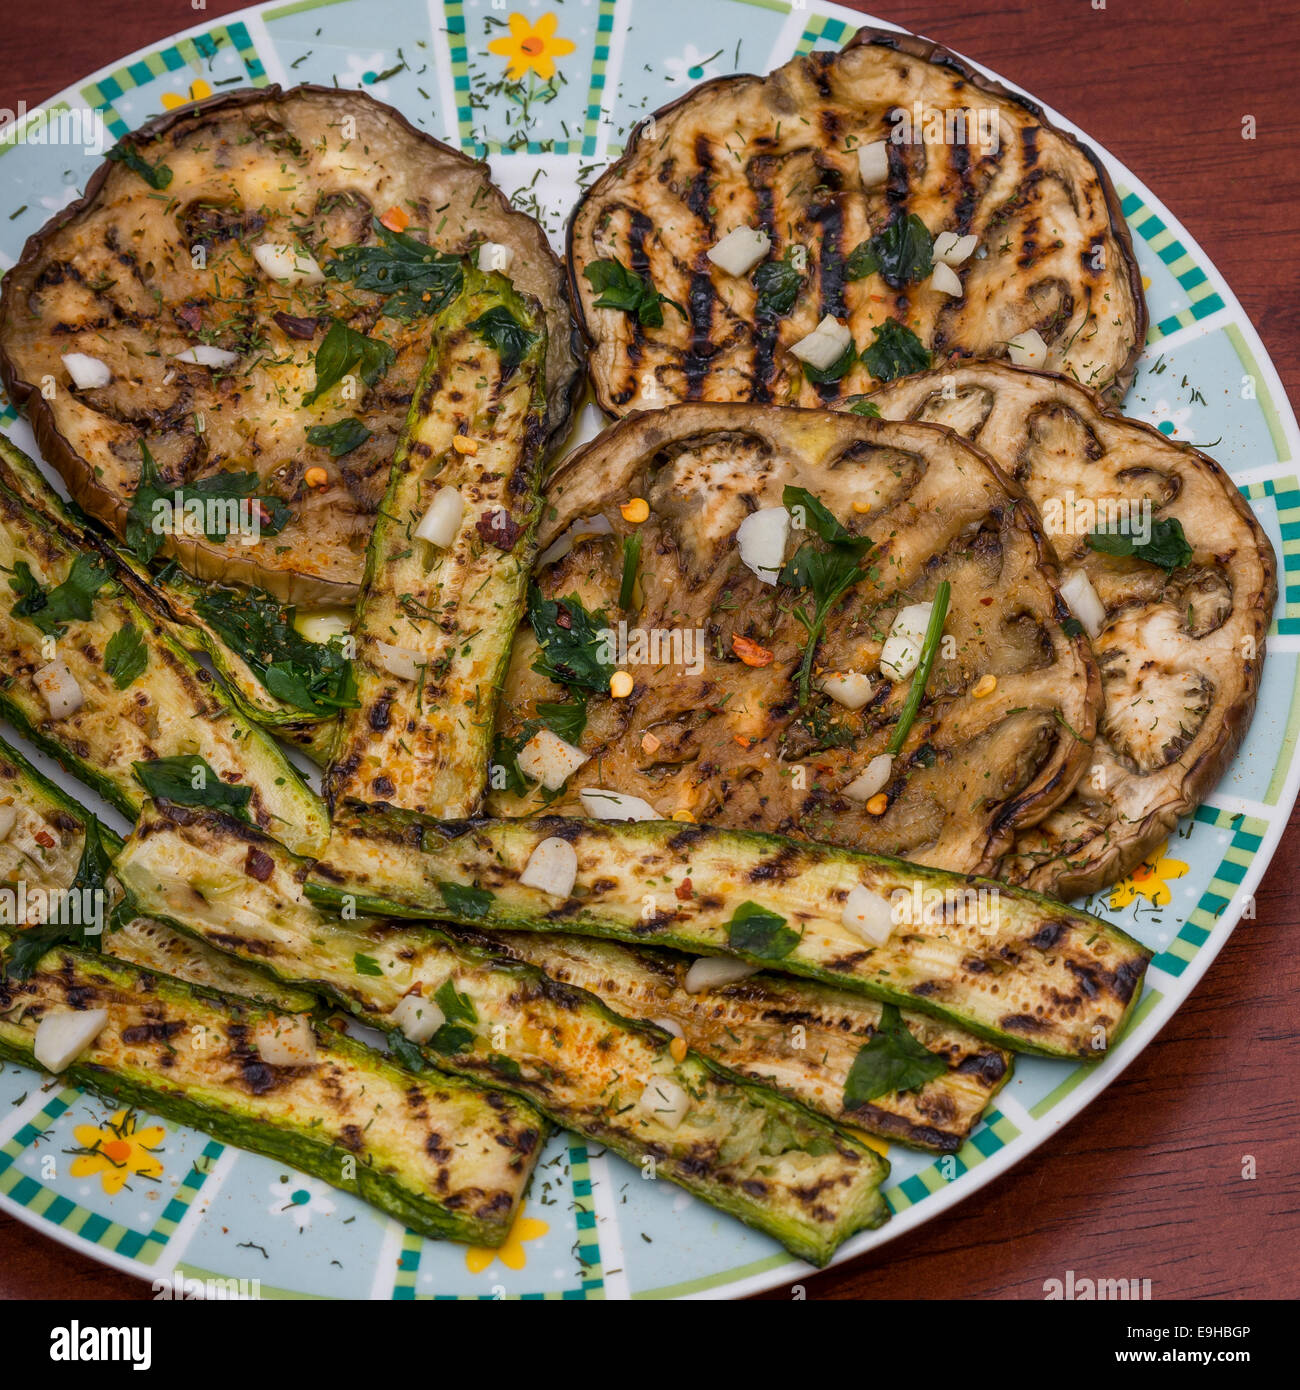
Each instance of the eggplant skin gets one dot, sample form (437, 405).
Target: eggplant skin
(1181, 653)
(729, 742)
(779, 153)
(442, 1158)
(86, 282)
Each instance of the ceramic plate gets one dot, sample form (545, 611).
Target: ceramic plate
(592, 1228)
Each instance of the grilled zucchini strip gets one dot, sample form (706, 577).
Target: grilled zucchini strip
(174, 600)
(428, 1150)
(743, 1147)
(435, 621)
(1010, 966)
(800, 1037)
(43, 850)
(170, 707)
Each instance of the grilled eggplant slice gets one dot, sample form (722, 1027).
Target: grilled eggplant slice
(133, 279)
(760, 1156)
(784, 154)
(111, 689)
(439, 607)
(1017, 969)
(1181, 644)
(442, 1158)
(43, 849)
(802, 1038)
(719, 732)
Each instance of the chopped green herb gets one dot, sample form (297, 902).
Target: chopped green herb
(895, 351)
(417, 279)
(631, 562)
(1166, 546)
(464, 901)
(126, 655)
(155, 175)
(758, 931)
(903, 254)
(339, 438)
(342, 351)
(891, 1060)
(506, 334)
(621, 288)
(916, 693)
(189, 780)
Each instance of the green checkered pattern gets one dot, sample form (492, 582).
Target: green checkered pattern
(1285, 495)
(820, 26)
(45, 1202)
(1247, 833)
(190, 54)
(1151, 228)
(454, 12)
(995, 1132)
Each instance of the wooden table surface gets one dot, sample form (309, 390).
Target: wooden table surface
(1147, 1182)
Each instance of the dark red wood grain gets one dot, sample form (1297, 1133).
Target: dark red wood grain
(1147, 1183)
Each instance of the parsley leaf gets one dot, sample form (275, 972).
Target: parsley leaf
(903, 254)
(760, 932)
(566, 721)
(126, 655)
(777, 283)
(621, 288)
(506, 334)
(312, 676)
(451, 1039)
(51, 610)
(155, 175)
(366, 965)
(342, 351)
(93, 870)
(862, 405)
(570, 640)
(417, 279)
(339, 438)
(891, 1060)
(818, 517)
(1167, 546)
(825, 376)
(464, 901)
(189, 780)
(895, 351)
(456, 1008)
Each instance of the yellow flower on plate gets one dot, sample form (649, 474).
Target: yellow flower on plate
(117, 1150)
(511, 1252)
(198, 90)
(531, 46)
(1149, 880)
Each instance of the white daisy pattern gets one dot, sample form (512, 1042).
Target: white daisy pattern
(363, 70)
(693, 66)
(1166, 418)
(299, 1199)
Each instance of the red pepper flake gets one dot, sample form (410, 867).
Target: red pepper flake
(685, 892)
(45, 839)
(986, 601)
(750, 652)
(563, 618)
(258, 864)
(191, 316)
(296, 327)
(499, 528)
